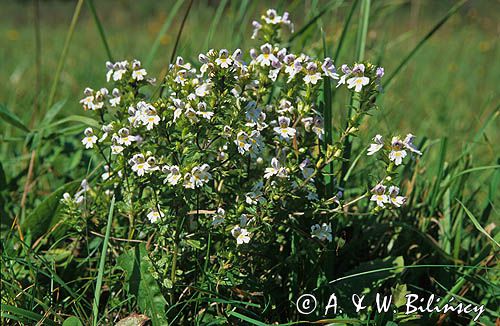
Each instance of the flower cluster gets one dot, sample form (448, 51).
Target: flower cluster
(271, 22)
(240, 137)
(382, 195)
(396, 151)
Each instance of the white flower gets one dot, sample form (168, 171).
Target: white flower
(266, 57)
(118, 74)
(397, 153)
(242, 142)
(241, 235)
(329, 69)
(174, 174)
(88, 102)
(154, 215)
(408, 142)
(376, 146)
(124, 137)
(188, 181)
(139, 74)
(150, 121)
(323, 232)
(114, 101)
(275, 169)
(202, 111)
(283, 130)
(126, 140)
(394, 198)
(201, 175)
(202, 90)
(357, 83)
(116, 149)
(273, 74)
(272, 17)
(191, 115)
(177, 113)
(292, 69)
(379, 195)
(90, 139)
(224, 61)
(181, 77)
(319, 131)
(312, 78)
(139, 164)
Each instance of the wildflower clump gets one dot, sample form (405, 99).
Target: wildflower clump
(232, 145)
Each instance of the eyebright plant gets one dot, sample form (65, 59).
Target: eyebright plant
(230, 149)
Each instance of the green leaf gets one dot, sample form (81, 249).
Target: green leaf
(72, 321)
(47, 213)
(477, 225)
(246, 318)
(12, 119)
(399, 292)
(141, 283)
(25, 314)
(194, 243)
(100, 274)
(76, 118)
(52, 112)
(3, 178)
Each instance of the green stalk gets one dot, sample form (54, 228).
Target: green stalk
(100, 28)
(363, 30)
(64, 53)
(180, 223)
(355, 99)
(163, 31)
(405, 61)
(100, 274)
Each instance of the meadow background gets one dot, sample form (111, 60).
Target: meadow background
(447, 92)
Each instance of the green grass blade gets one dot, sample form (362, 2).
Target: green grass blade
(163, 31)
(433, 197)
(215, 22)
(477, 225)
(364, 15)
(345, 28)
(90, 3)
(100, 274)
(406, 59)
(64, 53)
(26, 314)
(246, 318)
(174, 50)
(307, 25)
(327, 116)
(240, 22)
(12, 119)
(479, 168)
(363, 30)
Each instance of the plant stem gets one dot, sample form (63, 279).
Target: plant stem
(355, 98)
(180, 223)
(100, 274)
(100, 28)
(64, 53)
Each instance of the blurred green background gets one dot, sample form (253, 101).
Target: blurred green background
(448, 89)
